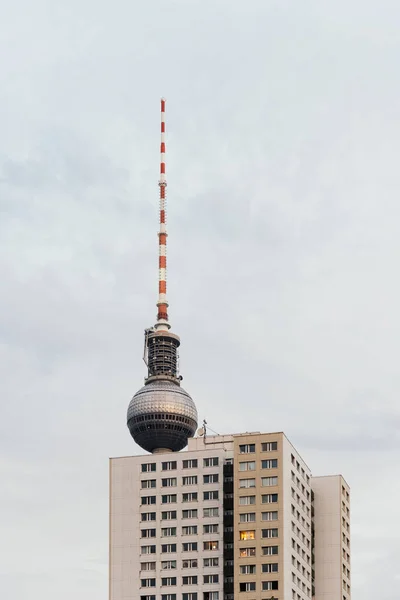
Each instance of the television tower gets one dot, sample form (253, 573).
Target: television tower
(161, 415)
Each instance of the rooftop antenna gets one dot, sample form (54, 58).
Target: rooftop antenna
(162, 304)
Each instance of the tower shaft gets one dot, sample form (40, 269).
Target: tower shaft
(162, 304)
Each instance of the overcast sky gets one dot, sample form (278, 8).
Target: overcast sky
(283, 171)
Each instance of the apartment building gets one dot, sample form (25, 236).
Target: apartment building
(229, 518)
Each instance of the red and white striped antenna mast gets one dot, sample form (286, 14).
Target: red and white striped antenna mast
(162, 304)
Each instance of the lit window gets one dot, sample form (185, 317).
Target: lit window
(210, 545)
(245, 552)
(248, 535)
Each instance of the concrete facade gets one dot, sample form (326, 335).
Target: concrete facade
(332, 538)
(229, 518)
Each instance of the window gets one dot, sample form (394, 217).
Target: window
(270, 568)
(267, 481)
(211, 562)
(244, 500)
(148, 483)
(147, 598)
(269, 464)
(210, 545)
(245, 552)
(248, 586)
(168, 499)
(247, 483)
(168, 531)
(211, 462)
(269, 550)
(148, 533)
(148, 582)
(190, 530)
(190, 464)
(269, 498)
(168, 596)
(248, 535)
(210, 579)
(191, 480)
(210, 495)
(148, 566)
(247, 448)
(210, 528)
(169, 465)
(150, 516)
(148, 500)
(190, 596)
(247, 517)
(189, 497)
(168, 515)
(269, 446)
(168, 581)
(147, 549)
(211, 595)
(148, 468)
(190, 563)
(213, 478)
(189, 547)
(168, 564)
(247, 466)
(189, 580)
(168, 548)
(269, 585)
(247, 569)
(169, 482)
(271, 515)
(211, 512)
(269, 533)
(191, 513)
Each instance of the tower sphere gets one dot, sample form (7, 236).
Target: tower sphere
(162, 416)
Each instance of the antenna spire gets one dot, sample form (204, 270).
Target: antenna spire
(162, 304)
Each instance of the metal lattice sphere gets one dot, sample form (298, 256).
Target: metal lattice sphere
(162, 415)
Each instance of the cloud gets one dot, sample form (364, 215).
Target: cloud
(283, 243)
